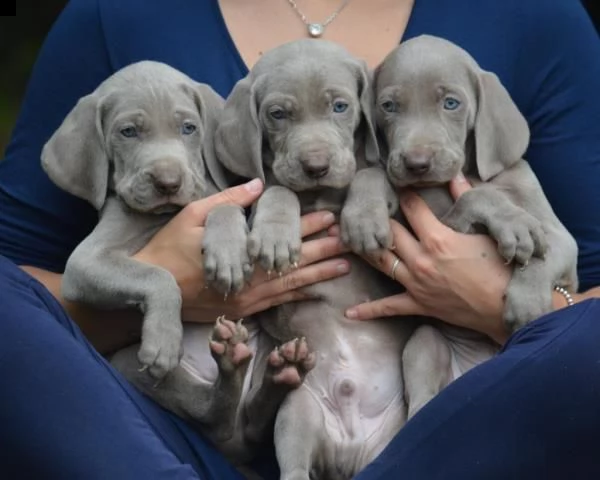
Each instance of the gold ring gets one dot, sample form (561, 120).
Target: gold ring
(394, 266)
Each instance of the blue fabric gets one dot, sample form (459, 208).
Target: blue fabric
(65, 413)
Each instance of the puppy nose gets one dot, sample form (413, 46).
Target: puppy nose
(166, 178)
(419, 161)
(316, 165)
(166, 186)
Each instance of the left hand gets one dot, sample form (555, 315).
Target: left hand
(458, 278)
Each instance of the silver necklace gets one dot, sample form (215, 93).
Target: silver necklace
(315, 30)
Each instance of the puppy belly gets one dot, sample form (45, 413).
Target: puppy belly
(362, 401)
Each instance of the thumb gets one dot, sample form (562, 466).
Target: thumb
(241, 195)
(459, 185)
(402, 304)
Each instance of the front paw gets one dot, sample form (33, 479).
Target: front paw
(365, 230)
(520, 236)
(227, 266)
(161, 347)
(276, 246)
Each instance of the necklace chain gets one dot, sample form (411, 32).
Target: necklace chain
(317, 29)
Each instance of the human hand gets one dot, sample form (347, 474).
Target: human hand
(458, 278)
(177, 248)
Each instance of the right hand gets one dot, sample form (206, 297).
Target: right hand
(177, 248)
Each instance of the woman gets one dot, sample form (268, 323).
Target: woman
(68, 415)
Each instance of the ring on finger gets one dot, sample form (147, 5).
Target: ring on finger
(394, 267)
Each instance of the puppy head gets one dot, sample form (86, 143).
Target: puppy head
(144, 134)
(440, 113)
(296, 116)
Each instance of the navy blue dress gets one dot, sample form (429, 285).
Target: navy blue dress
(531, 412)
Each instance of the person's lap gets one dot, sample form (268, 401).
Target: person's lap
(531, 412)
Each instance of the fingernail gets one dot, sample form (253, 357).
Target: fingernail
(343, 267)
(328, 218)
(460, 178)
(351, 313)
(254, 186)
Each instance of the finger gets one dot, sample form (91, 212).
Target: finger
(406, 246)
(402, 304)
(422, 220)
(242, 195)
(320, 249)
(385, 262)
(286, 297)
(459, 185)
(315, 222)
(299, 278)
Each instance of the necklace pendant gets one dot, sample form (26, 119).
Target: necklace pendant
(315, 30)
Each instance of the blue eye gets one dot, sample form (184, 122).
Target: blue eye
(188, 128)
(388, 106)
(277, 113)
(451, 103)
(340, 106)
(129, 132)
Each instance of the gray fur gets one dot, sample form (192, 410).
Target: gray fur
(486, 137)
(351, 403)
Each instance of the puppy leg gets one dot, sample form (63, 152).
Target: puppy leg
(426, 365)
(365, 218)
(227, 266)
(520, 235)
(117, 281)
(298, 436)
(275, 238)
(212, 404)
(283, 370)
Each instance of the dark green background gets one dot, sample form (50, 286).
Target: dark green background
(22, 35)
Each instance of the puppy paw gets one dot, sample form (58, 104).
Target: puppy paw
(161, 347)
(365, 229)
(275, 246)
(227, 266)
(228, 345)
(520, 237)
(289, 363)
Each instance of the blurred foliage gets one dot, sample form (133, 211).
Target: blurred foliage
(21, 37)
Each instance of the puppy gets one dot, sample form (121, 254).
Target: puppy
(139, 148)
(301, 120)
(439, 114)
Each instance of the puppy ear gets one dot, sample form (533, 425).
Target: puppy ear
(210, 105)
(238, 139)
(367, 105)
(501, 132)
(75, 158)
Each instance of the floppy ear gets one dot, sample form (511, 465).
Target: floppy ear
(210, 105)
(238, 139)
(367, 105)
(501, 132)
(75, 158)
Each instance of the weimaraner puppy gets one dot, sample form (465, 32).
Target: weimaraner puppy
(439, 113)
(139, 148)
(301, 120)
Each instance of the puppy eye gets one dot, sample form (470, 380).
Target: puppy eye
(388, 106)
(188, 128)
(129, 132)
(339, 106)
(451, 103)
(277, 113)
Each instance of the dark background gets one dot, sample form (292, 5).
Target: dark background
(22, 35)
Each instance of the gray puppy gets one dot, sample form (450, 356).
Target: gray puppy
(301, 121)
(439, 114)
(138, 149)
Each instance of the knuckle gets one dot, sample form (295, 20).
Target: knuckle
(436, 242)
(423, 266)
